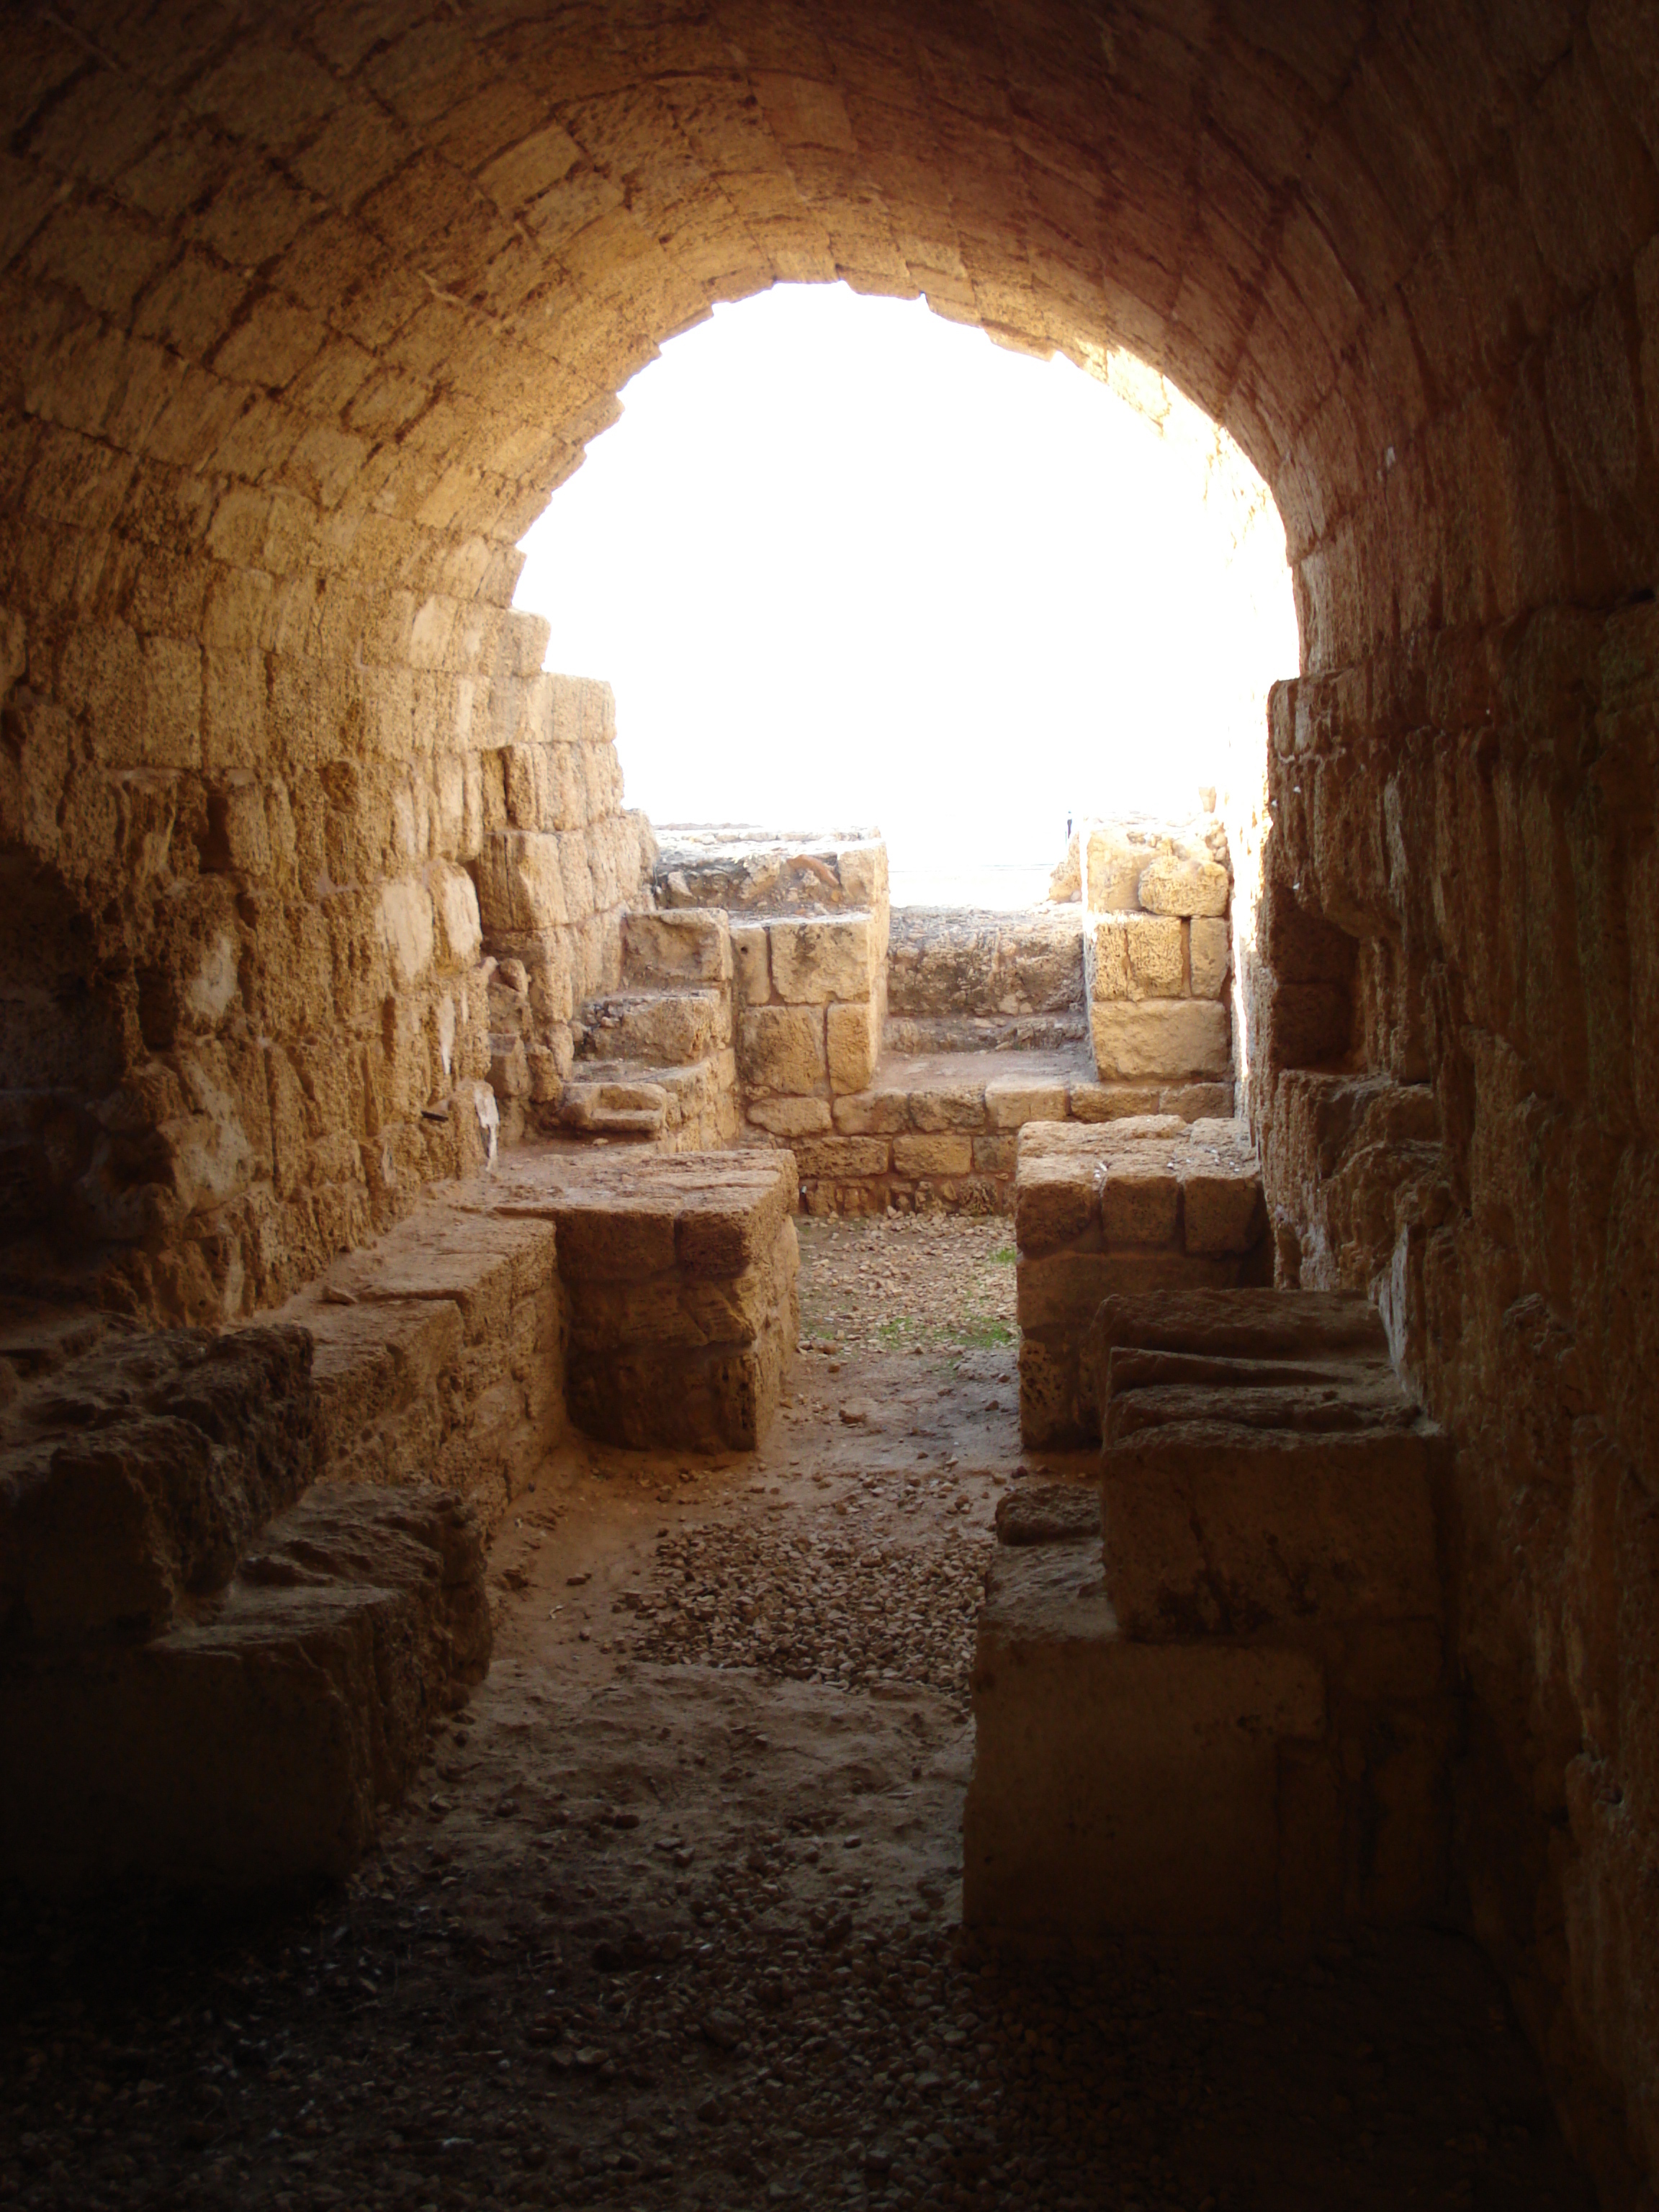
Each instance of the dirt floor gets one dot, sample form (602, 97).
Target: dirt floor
(675, 1917)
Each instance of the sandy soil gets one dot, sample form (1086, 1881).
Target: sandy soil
(674, 1917)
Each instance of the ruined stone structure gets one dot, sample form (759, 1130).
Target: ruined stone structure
(306, 312)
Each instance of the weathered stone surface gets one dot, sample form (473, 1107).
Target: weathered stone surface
(1210, 956)
(945, 962)
(681, 947)
(1160, 1037)
(1121, 1787)
(134, 1476)
(254, 1745)
(781, 1048)
(1010, 1103)
(1174, 886)
(1050, 1513)
(791, 1117)
(933, 1155)
(1100, 1210)
(752, 966)
(259, 664)
(821, 959)
(852, 1045)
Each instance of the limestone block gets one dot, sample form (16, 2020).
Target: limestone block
(751, 973)
(481, 1265)
(521, 884)
(996, 1155)
(1009, 1104)
(1121, 1787)
(1174, 884)
(818, 958)
(254, 1746)
(853, 1039)
(948, 1106)
(862, 871)
(1113, 862)
(509, 1070)
(933, 1155)
(137, 1473)
(1223, 1212)
(1198, 1102)
(791, 1117)
(576, 874)
(1211, 941)
(1139, 1205)
(1160, 1037)
(1208, 1530)
(1062, 1291)
(1055, 1201)
(455, 903)
(1136, 956)
(688, 946)
(406, 931)
(1112, 1102)
(873, 1112)
(781, 1048)
(842, 1157)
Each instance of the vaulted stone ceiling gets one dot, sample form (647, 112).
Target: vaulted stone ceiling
(341, 291)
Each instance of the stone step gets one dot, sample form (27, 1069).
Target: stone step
(1120, 1786)
(252, 1744)
(689, 1107)
(666, 1027)
(1239, 1503)
(689, 945)
(909, 1035)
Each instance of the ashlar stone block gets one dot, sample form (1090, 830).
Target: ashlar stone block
(1174, 884)
(1161, 1037)
(1211, 954)
(818, 958)
(781, 1048)
(852, 1045)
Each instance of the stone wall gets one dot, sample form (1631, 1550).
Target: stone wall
(964, 981)
(1157, 948)
(1453, 1001)
(254, 1009)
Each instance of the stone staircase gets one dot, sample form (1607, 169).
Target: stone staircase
(1225, 1705)
(654, 1061)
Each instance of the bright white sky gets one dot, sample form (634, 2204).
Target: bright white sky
(846, 562)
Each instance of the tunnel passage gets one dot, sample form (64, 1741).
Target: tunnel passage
(305, 319)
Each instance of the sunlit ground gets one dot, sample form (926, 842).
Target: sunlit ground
(843, 561)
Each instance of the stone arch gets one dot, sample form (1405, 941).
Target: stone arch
(304, 317)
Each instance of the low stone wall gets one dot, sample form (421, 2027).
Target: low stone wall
(211, 1671)
(1157, 946)
(940, 1134)
(1122, 1207)
(1223, 1704)
(647, 1298)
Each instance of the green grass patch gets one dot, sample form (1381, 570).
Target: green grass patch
(1004, 1256)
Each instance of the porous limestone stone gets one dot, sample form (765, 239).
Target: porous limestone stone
(820, 959)
(1102, 1209)
(751, 968)
(1121, 1787)
(254, 1744)
(852, 1045)
(1175, 885)
(1210, 952)
(781, 1048)
(1161, 1037)
(791, 1117)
